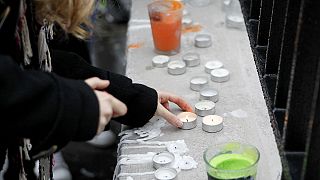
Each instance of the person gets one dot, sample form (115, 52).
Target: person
(50, 95)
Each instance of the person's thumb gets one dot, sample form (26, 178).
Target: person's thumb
(119, 108)
(97, 83)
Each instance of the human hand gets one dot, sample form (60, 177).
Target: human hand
(97, 83)
(109, 106)
(163, 107)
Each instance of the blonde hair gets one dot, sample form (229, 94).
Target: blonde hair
(72, 15)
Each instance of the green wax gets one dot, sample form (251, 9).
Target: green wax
(231, 162)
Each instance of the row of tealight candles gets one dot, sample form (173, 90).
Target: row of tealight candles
(208, 96)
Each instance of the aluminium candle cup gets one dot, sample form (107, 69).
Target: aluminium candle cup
(187, 22)
(203, 40)
(199, 82)
(176, 67)
(212, 123)
(185, 12)
(211, 65)
(191, 59)
(188, 119)
(166, 173)
(160, 61)
(162, 159)
(225, 4)
(209, 94)
(205, 108)
(220, 75)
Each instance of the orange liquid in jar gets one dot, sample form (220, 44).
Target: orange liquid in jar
(166, 27)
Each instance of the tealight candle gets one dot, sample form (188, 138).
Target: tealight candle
(185, 12)
(211, 65)
(204, 108)
(191, 59)
(212, 123)
(188, 119)
(187, 22)
(220, 75)
(160, 61)
(199, 82)
(209, 94)
(225, 4)
(202, 40)
(176, 67)
(166, 173)
(163, 159)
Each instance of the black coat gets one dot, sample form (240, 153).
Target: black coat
(55, 108)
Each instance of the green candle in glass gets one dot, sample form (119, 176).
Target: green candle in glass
(232, 161)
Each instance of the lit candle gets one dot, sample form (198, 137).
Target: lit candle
(188, 119)
(163, 159)
(209, 94)
(199, 82)
(165, 174)
(211, 65)
(204, 108)
(212, 123)
(176, 67)
(160, 61)
(203, 40)
(191, 59)
(220, 75)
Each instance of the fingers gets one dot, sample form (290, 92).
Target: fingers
(184, 105)
(167, 115)
(103, 121)
(109, 107)
(97, 83)
(119, 108)
(166, 105)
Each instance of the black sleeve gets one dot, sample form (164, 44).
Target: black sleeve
(44, 107)
(140, 99)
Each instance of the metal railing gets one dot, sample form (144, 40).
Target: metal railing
(285, 40)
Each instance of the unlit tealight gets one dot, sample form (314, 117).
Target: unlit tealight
(203, 40)
(199, 82)
(165, 173)
(209, 94)
(187, 22)
(220, 75)
(160, 61)
(176, 67)
(191, 59)
(211, 65)
(204, 108)
(162, 159)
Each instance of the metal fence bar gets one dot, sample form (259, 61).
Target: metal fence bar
(286, 53)
(264, 22)
(308, 63)
(312, 160)
(303, 82)
(275, 36)
(255, 9)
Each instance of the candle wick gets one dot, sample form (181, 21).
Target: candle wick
(187, 120)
